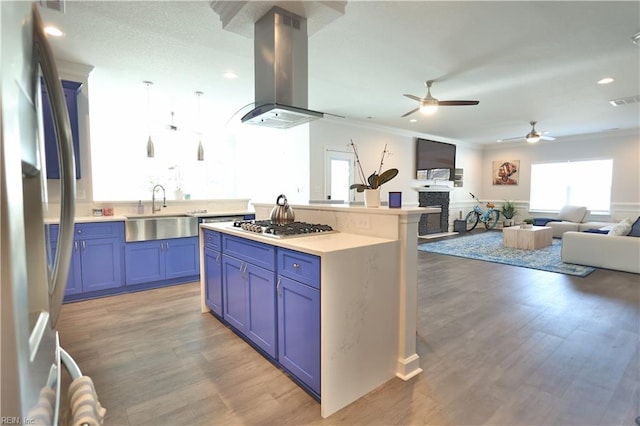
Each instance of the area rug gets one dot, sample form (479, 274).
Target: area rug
(487, 246)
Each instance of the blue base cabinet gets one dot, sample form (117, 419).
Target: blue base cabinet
(213, 271)
(280, 317)
(299, 331)
(97, 258)
(248, 290)
(161, 260)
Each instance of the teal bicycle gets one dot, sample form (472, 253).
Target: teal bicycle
(489, 217)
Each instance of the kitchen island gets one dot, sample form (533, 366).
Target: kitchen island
(367, 288)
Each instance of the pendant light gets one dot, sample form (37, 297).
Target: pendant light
(200, 147)
(150, 148)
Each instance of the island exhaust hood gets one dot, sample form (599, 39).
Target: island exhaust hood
(281, 71)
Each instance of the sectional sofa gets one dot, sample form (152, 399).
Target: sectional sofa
(609, 245)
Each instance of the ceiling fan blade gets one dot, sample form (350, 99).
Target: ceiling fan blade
(512, 139)
(410, 112)
(415, 98)
(455, 103)
(547, 138)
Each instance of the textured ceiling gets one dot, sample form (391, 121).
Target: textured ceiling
(522, 60)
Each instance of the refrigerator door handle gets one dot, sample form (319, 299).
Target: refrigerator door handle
(62, 125)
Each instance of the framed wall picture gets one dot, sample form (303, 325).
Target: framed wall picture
(506, 172)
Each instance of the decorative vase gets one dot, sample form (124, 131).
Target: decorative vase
(372, 197)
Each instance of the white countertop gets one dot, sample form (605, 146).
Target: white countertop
(317, 244)
(116, 218)
(352, 208)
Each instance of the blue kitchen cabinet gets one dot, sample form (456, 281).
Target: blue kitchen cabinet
(248, 276)
(213, 280)
(71, 90)
(161, 260)
(213, 271)
(96, 263)
(298, 298)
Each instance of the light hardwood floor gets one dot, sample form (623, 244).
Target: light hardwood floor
(499, 345)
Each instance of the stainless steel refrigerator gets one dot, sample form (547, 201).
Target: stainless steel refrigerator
(33, 282)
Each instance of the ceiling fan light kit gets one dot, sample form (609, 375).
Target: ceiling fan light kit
(533, 136)
(429, 104)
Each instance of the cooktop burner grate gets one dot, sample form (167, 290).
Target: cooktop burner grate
(300, 229)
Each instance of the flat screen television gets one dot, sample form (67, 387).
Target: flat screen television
(432, 155)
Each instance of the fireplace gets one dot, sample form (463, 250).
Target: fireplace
(434, 223)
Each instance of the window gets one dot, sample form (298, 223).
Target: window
(578, 183)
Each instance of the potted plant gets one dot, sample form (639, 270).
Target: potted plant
(527, 223)
(371, 185)
(508, 210)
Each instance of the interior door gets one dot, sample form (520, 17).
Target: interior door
(339, 175)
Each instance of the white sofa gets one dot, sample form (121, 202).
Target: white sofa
(570, 218)
(621, 253)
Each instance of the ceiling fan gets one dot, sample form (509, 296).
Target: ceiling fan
(429, 104)
(532, 137)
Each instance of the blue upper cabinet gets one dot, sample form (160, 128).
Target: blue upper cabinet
(71, 91)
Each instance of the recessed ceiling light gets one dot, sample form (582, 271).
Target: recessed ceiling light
(53, 31)
(606, 80)
(230, 75)
(413, 120)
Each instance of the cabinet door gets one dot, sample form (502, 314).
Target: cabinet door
(261, 321)
(299, 331)
(74, 280)
(213, 280)
(100, 264)
(234, 292)
(71, 90)
(181, 257)
(144, 262)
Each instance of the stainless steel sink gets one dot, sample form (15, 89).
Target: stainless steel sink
(146, 228)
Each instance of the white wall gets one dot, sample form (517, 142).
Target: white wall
(623, 147)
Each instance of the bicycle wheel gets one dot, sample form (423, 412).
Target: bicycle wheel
(471, 220)
(492, 220)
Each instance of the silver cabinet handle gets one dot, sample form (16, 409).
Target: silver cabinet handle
(295, 266)
(84, 245)
(218, 258)
(278, 287)
(75, 245)
(161, 246)
(167, 246)
(64, 248)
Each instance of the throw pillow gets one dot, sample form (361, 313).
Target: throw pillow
(597, 231)
(621, 228)
(635, 228)
(572, 213)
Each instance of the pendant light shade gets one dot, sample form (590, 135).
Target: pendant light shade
(151, 152)
(200, 147)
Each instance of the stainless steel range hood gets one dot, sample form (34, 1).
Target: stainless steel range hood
(281, 71)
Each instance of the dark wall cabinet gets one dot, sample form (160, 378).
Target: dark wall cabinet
(71, 91)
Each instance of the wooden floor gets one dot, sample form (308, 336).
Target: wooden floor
(499, 345)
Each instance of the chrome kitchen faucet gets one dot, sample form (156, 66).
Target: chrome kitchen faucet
(153, 199)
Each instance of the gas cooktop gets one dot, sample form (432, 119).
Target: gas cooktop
(293, 229)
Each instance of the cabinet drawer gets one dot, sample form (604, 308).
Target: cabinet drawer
(90, 230)
(99, 230)
(301, 267)
(212, 240)
(259, 254)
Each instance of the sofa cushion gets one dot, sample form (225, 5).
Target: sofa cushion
(572, 213)
(622, 228)
(635, 228)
